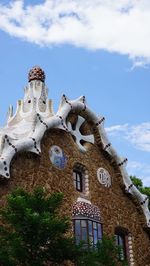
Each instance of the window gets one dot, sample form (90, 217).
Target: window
(89, 231)
(81, 178)
(120, 240)
(87, 223)
(78, 180)
(121, 235)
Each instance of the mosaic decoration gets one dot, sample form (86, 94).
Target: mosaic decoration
(77, 134)
(104, 177)
(130, 250)
(25, 129)
(36, 73)
(57, 157)
(82, 208)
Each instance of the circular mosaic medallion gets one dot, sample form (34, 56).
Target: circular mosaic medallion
(57, 157)
(104, 177)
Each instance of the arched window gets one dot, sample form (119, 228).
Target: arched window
(121, 235)
(120, 240)
(81, 179)
(78, 180)
(87, 223)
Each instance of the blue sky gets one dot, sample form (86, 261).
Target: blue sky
(83, 52)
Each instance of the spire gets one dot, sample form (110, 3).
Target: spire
(36, 73)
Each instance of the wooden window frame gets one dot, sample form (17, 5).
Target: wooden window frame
(122, 234)
(80, 236)
(78, 174)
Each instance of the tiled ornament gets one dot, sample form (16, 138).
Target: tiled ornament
(57, 157)
(78, 135)
(104, 177)
(85, 209)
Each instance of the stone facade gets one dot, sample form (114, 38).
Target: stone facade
(118, 207)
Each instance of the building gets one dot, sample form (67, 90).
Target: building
(69, 151)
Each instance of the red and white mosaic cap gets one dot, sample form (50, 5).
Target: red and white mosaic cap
(82, 208)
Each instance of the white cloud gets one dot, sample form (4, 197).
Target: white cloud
(141, 170)
(115, 26)
(138, 166)
(137, 135)
(113, 130)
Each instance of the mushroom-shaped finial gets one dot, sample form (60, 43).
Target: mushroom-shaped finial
(36, 73)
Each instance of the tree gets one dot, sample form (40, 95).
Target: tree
(33, 233)
(105, 254)
(139, 184)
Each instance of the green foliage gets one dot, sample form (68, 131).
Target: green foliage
(34, 233)
(146, 191)
(104, 254)
(139, 184)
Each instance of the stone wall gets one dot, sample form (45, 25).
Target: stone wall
(117, 208)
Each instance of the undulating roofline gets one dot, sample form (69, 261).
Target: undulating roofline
(34, 115)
